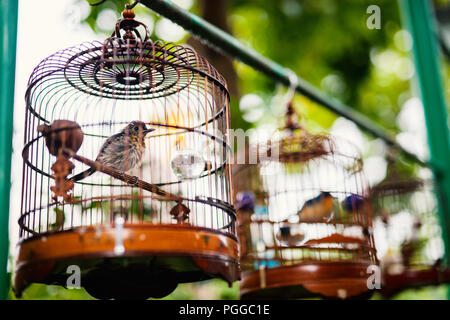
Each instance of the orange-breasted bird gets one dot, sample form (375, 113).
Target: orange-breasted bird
(122, 151)
(317, 208)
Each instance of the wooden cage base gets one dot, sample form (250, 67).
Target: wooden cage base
(414, 279)
(306, 280)
(155, 259)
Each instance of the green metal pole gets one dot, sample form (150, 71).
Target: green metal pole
(419, 19)
(224, 42)
(8, 39)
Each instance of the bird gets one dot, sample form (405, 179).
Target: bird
(122, 151)
(317, 208)
(245, 201)
(353, 203)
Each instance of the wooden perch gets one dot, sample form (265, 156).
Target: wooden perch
(336, 238)
(131, 180)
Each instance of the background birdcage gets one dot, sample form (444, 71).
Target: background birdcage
(323, 251)
(408, 234)
(176, 220)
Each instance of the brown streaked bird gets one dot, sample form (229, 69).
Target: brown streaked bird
(122, 151)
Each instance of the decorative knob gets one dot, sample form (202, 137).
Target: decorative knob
(62, 134)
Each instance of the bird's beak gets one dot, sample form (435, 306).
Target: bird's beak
(148, 131)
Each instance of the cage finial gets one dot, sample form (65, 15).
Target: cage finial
(129, 25)
(291, 118)
(291, 114)
(60, 135)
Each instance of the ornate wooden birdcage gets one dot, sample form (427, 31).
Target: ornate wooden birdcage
(304, 219)
(126, 170)
(408, 234)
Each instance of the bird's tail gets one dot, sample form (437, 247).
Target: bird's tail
(83, 175)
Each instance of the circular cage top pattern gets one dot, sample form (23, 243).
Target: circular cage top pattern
(117, 70)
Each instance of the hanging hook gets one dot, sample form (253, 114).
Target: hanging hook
(293, 82)
(291, 116)
(131, 6)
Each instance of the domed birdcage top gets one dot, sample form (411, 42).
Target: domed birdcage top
(126, 66)
(292, 144)
(297, 144)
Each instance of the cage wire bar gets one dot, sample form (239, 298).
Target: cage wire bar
(8, 39)
(417, 15)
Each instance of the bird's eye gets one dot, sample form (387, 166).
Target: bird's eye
(136, 128)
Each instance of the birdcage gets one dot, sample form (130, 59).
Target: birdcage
(126, 172)
(408, 234)
(304, 219)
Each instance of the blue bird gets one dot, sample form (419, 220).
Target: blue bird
(245, 201)
(317, 208)
(353, 203)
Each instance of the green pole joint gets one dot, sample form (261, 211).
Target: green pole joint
(8, 39)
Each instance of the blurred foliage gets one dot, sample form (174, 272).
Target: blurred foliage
(424, 293)
(332, 50)
(328, 44)
(46, 292)
(215, 289)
